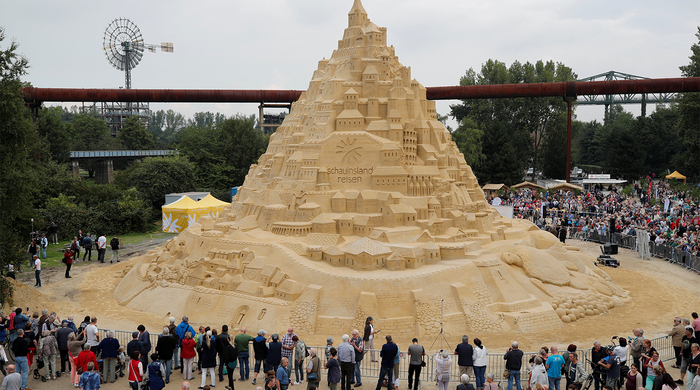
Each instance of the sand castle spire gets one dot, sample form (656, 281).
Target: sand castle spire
(357, 15)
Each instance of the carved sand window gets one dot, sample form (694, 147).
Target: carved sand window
(241, 314)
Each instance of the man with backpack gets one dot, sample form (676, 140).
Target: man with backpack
(155, 373)
(87, 244)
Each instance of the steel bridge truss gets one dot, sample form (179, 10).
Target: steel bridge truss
(630, 98)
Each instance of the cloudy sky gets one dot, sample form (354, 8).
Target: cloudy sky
(275, 44)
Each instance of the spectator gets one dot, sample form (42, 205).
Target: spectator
(187, 354)
(89, 379)
(165, 349)
(480, 359)
(260, 349)
(443, 361)
(333, 369)
(242, 341)
(514, 363)
(415, 363)
(109, 347)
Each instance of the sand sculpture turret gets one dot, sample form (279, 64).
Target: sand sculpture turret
(363, 205)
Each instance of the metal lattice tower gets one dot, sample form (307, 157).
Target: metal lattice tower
(123, 46)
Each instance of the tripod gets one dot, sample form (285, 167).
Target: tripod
(441, 335)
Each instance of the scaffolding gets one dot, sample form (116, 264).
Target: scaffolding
(115, 114)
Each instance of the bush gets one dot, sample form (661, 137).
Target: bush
(125, 213)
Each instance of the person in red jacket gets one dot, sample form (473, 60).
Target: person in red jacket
(85, 357)
(187, 354)
(68, 260)
(135, 370)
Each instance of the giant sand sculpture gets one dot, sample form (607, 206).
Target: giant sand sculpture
(363, 205)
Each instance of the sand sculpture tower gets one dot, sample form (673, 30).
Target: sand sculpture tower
(363, 205)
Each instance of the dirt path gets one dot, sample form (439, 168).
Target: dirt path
(660, 291)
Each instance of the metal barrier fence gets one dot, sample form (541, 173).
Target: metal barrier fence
(673, 255)
(371, 369)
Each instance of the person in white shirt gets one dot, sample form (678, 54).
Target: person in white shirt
(93, 337)
(101, 248)
(37, 270)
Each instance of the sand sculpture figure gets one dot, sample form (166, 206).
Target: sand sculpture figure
(363, 205)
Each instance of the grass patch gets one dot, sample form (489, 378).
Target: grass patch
(54, 253)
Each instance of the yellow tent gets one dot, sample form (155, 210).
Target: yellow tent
(214, 205)
(178, 215)
(676, 175)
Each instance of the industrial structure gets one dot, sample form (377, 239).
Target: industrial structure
(123, 46)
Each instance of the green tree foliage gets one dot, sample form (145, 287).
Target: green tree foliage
(116, 212)
(622, 150)
(164, 127)
(516, 131)
(468, 140)
(91, 133)
(205, 119)
(55, 133)
(18, 142)
(222, 154)
(242, 145)
(585, 149)
(689, 116)
(134, 136)
(157, 176)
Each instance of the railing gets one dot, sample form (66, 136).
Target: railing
(662, 345)
(673, 255)
(370, 369)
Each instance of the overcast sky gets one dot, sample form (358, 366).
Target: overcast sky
(276, 44)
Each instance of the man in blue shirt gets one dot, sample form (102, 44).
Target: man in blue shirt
(282, 374)
(180, 331)
(553, 365)
(388, 353)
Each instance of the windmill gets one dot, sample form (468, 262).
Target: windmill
(123, 45)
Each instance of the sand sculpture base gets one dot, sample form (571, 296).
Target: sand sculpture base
(361, 206)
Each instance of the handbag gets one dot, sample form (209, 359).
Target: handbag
(506, 374)
(313, 376)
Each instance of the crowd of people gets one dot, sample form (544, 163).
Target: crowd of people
(80, 353)
(71, 252)
(670, 217)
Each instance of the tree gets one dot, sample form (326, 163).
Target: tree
(91, 133)
(242, 145)
(134, 135)
(206, 119)
(16, 162)
(468, 140)
(689, 115)
(55, 133)
(622, 150)
(157, 176)
(523, 126)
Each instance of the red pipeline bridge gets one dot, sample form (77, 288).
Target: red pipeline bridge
(569, 91)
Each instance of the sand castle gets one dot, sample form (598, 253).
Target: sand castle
(363, 205)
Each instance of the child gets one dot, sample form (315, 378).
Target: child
(121, 361)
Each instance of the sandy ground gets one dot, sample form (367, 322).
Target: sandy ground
(659, 290)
